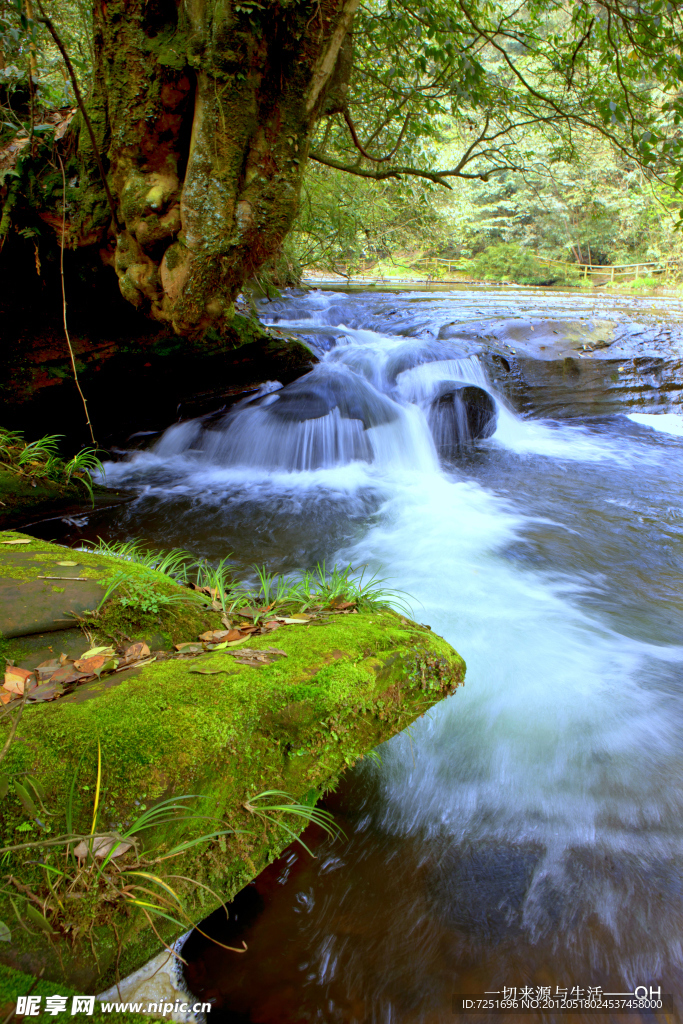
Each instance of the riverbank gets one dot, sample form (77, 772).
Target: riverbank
(405, 277)
(211, 726)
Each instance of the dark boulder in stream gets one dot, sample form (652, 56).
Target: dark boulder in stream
(320, 392)
(460, 413)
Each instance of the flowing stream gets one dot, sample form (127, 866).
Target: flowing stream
(527, 831)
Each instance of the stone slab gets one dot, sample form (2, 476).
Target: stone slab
(42, 606)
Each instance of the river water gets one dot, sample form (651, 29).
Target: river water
(527, 831)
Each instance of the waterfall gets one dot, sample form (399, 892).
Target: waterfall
(389, 402)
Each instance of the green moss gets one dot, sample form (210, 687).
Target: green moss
(23, 494)
(174, 255)
(343, 685)
(172, 624)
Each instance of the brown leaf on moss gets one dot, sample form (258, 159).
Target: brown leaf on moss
(340, 604)
(69, 674)
(47, 691)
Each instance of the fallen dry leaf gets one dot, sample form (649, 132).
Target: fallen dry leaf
(48, 691)
(18, 679)
(340, 604)
(46, 669)
(19, 540)
(189, 648)
(5, 697)
(135, 653)
(91, 665)
(107, 652)
(256, 657)
(208, 671)
(214, 636)
(68, 674)
(294, 622)
(101, 847)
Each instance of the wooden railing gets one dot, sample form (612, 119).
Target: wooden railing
(617, 270)
(431, 266)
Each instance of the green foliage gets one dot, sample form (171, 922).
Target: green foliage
(87, 867)
(509, 262)
(143, 595)
(218, 580)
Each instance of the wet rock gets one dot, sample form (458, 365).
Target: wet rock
(407, 356)
(538, 337)
(29, 605)
(319, 392)
(459, 414)
(585, 385)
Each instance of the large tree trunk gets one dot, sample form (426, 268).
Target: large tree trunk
(204, 110)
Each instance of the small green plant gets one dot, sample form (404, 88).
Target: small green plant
(91, 872)
(142, 595)
(82, 467)
(104, 869)
(317, 588)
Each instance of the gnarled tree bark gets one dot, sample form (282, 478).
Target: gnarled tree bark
(204, 111)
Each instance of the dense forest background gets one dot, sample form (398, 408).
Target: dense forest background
(559, 188)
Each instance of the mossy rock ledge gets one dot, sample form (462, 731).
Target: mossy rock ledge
(347, 682)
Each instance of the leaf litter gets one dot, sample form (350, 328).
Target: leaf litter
(58, 677)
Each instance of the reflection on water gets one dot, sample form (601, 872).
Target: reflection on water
(528, 830)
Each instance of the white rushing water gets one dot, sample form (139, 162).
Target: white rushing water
(566, 739)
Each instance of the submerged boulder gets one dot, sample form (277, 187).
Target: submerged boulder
(460, 413)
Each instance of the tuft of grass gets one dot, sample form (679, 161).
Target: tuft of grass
(135, 876)
(41, 460)
(82, 467)
(317, 588)
(39, 451)
(218, 580)
(142, 594)
(174, 563)
(286, 804)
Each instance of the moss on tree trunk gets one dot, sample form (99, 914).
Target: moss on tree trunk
(204, 112)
